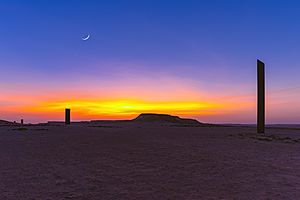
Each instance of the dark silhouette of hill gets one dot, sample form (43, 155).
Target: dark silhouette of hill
(3, 122)
(164, 118)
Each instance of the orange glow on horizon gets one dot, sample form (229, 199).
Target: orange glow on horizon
(124, 101)
(88, 109)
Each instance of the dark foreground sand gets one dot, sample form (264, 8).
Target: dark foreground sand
(148, 162)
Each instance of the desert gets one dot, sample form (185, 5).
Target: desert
(137, 159)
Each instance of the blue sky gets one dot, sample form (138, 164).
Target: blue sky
(212, 44)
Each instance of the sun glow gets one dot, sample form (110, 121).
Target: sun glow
(120, 108)
(123, 101)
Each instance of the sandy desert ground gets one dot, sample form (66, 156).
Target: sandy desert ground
(148, 161)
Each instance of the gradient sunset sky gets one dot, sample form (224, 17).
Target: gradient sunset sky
(188, 58)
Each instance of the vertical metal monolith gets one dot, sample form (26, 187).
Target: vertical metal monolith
(260, 97)
(67, 116)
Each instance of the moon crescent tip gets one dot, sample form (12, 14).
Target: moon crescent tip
(86, 38)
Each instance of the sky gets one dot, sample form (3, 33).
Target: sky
(188, 58)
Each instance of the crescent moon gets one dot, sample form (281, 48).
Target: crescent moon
(86, 38)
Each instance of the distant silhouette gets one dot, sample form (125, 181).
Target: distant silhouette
(22, 122)
(67, 116)
(164, 118)
(260, 97)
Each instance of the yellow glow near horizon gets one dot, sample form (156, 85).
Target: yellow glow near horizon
(120, 108)
(124, 100)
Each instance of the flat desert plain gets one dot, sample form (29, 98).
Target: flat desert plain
(148, 161)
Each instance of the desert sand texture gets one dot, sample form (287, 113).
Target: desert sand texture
(131, 160)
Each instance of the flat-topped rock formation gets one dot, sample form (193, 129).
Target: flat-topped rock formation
(146, 118)
(165, 118)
